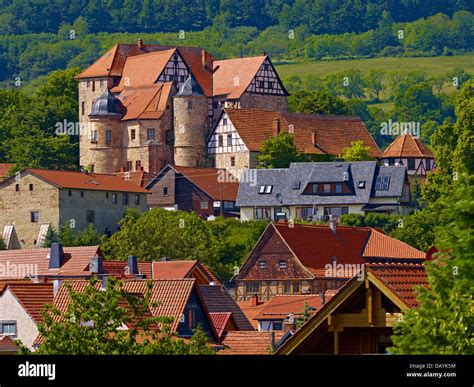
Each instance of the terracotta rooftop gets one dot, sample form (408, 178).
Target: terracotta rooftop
(33, 297)
(251, 310)
(401, 279)
(36, 260)
(220, 321)
(118, 269)
(4, 168)
(218, 300)
(85, 181)
(333, 133)
(139, 178)
(407, 146)
(7, 344)
(147, 102)
(281, 306)
(249, 342)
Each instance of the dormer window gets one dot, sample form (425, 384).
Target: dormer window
(315, 188)
(338, 188)
(327, 188)
(268, 189)
(282, 264)
(262, 189)
(361, 184)
(382, 183)
(262, 264)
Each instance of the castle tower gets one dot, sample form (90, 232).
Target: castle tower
(190, 125)
(104, 141)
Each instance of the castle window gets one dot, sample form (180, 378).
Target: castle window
(114, 198)
(108, 136)
(30, 187)
(232, 161)
(138, 164)
(411, 164)
(220, 141)
(165, 191)
(34, 216)
(82, 194)
(265, 66)
(88, 83)
(229, 140)
(129, 165)
(150, 134)
(106, 195)
(137, 200)
(69, 193)
(125, 199)
(391, 161)
(90, 216)
(83, 108)
(17, 187)
(94, 136)
(132, 134)
(190, 104)
(93, 85)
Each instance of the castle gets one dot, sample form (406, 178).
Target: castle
(143, 106)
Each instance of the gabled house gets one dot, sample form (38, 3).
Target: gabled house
(21, 305)
(310, 259)
(410, 152)
(178, 299)
(238, 136)
(36, 199)
(173, 269)
(316, 191)
(359, 319)
(205, 191)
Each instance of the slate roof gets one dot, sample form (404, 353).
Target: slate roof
(407, 146)
(190, 88)
(333, 133)
(284, 182)
(107, 105)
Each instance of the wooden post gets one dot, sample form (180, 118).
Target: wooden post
(336, 342)
(369, 302)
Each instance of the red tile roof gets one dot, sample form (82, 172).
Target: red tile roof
(139, 178)
(407, 146)
(315, 245)
(33, 297)
(209, 181)
(147, 102)
(181, 269)
(242, 70)
(249, 342)
(76, 261)
(220, 321)
(86, 181)
(218, 300)
(118, 269)
(401, 279)
(333, 133)
(7, 344)
(251, 311)
(279, 307)
(4, 168)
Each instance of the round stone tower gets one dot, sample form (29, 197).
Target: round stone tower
(190, 125)
(102, 141)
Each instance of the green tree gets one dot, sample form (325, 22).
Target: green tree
(52, 236)
(278, 152)
(305, 315)
(316, 102)
(358, 151)
(92, 324)
(374, 82)
(3, 246)
(88, 237)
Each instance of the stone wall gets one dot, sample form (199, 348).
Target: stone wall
(264, 102)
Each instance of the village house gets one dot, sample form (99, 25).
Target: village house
(239, 134)
(36, 199)
(205, 191)
(316, 191)
(410, 152)
(21, 305)
(146, 106)
(310, 259)
(360, 317)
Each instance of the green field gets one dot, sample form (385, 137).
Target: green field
(432, 65)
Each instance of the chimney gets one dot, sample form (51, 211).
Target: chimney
(132, 265)
(264, 53)
(96, 265)
(276, 126)
(140, 43)
(314, 138)
(289, 324)
(203, 58)
(254, 300)
(332, 224)
(56, 256)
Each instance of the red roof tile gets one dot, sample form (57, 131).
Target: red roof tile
(333, 133)
(249, 342)
(36, 261)
(220, 321)
(281, 306)
(118, 269)
(147, 102)
(208, 180)
(407, 146)
(7, 344)
(4, 168)
(251, 311)
(139, 178)
(172, 269)
(86, 181)
(380, 245)
(401, 279)
(33, 297)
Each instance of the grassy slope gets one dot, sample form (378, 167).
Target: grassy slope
(432, 65)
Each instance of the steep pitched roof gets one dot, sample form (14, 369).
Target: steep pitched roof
(220, 321)
(7, 344)
(145, 102)
(407, 146)
(228, 71)
(33, 297)
(84, 181)
(218, 300)
(333, 133)
(249, 342)
(76, 261)
(282, 305)
(380, 245)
